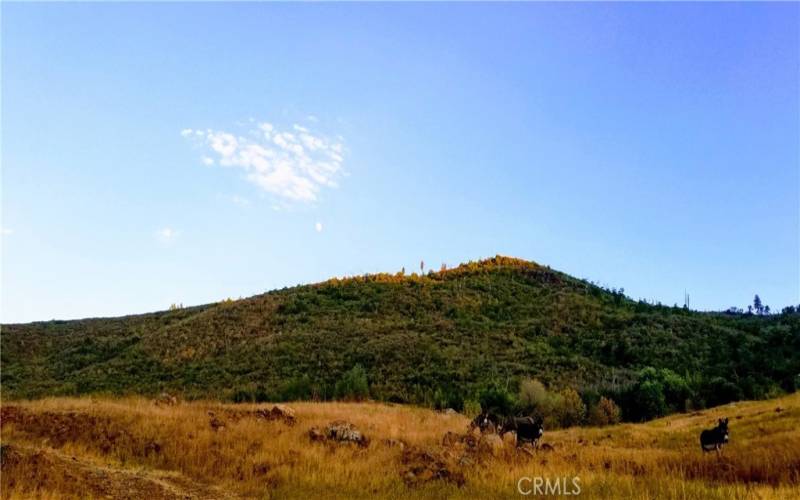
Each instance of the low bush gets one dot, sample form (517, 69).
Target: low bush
(353, 386)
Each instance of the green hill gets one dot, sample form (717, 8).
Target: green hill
(433, 339)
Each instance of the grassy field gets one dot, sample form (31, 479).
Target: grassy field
(134, 448)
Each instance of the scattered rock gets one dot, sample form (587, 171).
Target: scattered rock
(346, 432)
(547, 447)
(339, 431)
(281, 412)
(468, 449)
(467, 442)
(278, 412)
(316, 435)
(492, 444)
(778, 409)
(470, 441)
(450, 411)
(424, 465)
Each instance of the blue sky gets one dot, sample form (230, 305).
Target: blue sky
(155, 154)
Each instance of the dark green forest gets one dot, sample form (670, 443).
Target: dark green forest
(475, 333)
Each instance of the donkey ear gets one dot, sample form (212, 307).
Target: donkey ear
(726, 420)
(720, 421)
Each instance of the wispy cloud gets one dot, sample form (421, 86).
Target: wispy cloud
(318, 227)
(239, 200)
(6, 231)
(166, 234)
(294, 164)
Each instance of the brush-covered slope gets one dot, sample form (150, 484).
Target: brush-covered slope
(453, 331)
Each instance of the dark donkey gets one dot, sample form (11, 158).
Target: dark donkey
(527, 429)
(486, 422)
(716, 438)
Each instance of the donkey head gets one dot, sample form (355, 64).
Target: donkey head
(723, 429)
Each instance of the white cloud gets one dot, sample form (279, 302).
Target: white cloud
(166, 234)
(318, 227)
(186, 132)
(6, 231)
(266, 129)
(293, 165)
(223, 143)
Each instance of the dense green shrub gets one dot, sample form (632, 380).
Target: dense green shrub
(353, 386)
(719, 391)
(296, 388)
(471, 408)
(497, 399)
(676, 390)
(648, 400)
(243, 396)
(657, 392)
(448, 397)
(570, 409)
(532, 396)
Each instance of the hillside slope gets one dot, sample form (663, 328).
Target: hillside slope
(420, 339)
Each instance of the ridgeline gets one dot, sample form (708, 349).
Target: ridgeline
(437, 339)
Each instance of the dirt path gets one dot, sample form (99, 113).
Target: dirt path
(56, 472)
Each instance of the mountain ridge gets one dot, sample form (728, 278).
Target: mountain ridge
(436, 338)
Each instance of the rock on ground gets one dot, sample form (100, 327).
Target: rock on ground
(420, 465)
(278, 412)
(339, 431)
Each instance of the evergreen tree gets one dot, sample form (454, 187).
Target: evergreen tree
(757, 304)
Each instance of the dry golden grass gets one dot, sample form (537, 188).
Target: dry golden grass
(130, 448)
